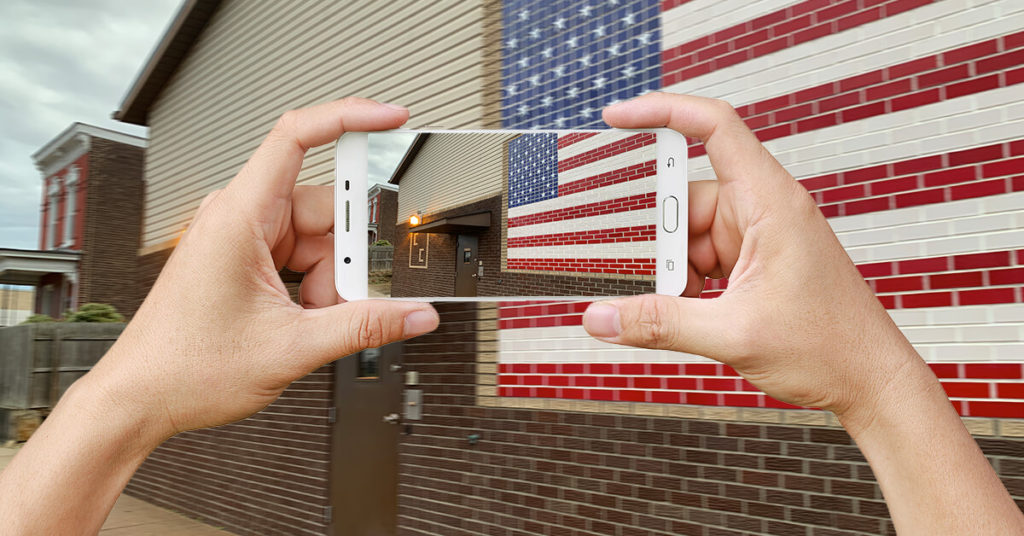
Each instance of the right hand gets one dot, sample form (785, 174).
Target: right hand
(797, 320)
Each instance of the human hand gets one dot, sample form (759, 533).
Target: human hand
(798, 320)
(218, 338)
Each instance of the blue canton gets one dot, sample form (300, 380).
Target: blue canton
(532, 168)
(564, 61)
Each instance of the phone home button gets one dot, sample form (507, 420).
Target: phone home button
(670, 213)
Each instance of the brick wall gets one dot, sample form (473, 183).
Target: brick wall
(387, 215)
(112, 225)
(573, 473)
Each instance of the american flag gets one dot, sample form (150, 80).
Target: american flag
(904, 119)
(582, 203)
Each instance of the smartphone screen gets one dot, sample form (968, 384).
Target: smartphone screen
(517, 214)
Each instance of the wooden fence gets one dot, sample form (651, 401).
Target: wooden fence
(381, 257)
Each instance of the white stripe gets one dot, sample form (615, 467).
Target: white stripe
(619, 161)
(913, 34)
(942, 334)
(615, 191)
(698, 18)
(962, 123)
(618, 250)
(646, 216)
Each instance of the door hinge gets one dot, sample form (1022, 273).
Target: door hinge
(328, 510)
(332, 415)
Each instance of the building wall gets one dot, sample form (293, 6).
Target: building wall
(387, 208)
(81, 188)
(15, 305)
(219, 105)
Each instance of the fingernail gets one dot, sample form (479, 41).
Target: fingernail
(394, 106)
(602, 320)
(419, 322)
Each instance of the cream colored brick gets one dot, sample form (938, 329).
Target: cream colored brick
(486, 325)
(590, 406)
(814, 418)
(486, 368)
(651, 410)
(487, 346)
(486, 379)
(683, 412)
(488, 401)
(487, 357)
(1011, 427)
(984, 427)
(621, 408)
(534, 403)
(486, 390)
(720, 414)
(487, 313)
(761, 415)
(486, 336)
(562, 405)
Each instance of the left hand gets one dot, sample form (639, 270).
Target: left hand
(218, 338)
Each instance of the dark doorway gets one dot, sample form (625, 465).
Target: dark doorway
(467, 268)
(364, 443)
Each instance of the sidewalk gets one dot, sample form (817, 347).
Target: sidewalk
(137, 517)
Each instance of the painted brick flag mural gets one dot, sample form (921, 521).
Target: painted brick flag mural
(904, 119)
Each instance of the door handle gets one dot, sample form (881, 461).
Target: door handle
(391, 418)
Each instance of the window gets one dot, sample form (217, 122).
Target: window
(52, 192)
(70, 206)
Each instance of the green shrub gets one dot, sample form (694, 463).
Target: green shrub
(38, 319)
(94, 312)
(382, 243)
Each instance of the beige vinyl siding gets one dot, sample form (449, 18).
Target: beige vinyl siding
(257, 59)
(451, 170)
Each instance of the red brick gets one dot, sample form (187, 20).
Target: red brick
(979, 189)
(682, 384)
(927, 299)
(817, 183)
(768, 47)
(858, 19)
(876, 269)
(812, 33)
(841, 194)
(899, 284)
(985, 296)
(795, 112)
(1002, 168)
(914, 100)
(701, 369)
(917, 165)
(955, 280)
(632, 396)
(919, 266)
(665, 397)
(1000, 63)
(865, 174)
(876, 204)
(962, 54)
(893, 185)
(1017, 148)
(889, 302)
(844, 100)
(971, 87)
(950, 176)
(741, 400)
(1006, 410)
(923, 197)
(943, 76)
(945, 370)
(891, 89)
(1011, 276)
(862, 80)
(994, 259)
(814, 123)
(701, 399)
(976, 155)
(966, 389)
(1010, 390)
(912, 67)
(863, 112)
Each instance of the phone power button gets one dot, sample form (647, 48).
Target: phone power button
(670, 213)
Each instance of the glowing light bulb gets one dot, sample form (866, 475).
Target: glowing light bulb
(414, 220)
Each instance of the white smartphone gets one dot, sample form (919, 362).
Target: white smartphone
(495, 215)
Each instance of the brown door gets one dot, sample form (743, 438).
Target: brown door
(466, 265)
(364, 446)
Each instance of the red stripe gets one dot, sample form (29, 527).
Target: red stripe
(626, 174)
(598, 266)
(597, 208)
(927, 80)
(616, 147)
(566, 140)
(975, 172)
(770, 33)
(669, 4)
(642, 233)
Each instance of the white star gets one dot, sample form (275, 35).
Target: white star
(571, 42)
(560, 23)
(630, 18)
(559, 70)
(546, 101)
(598, 32)
(511, 89)
(573, 91)
(614, 49)
(547, 52)
(535, 33)
(512, 43)
(523, 109)
(585, 10)
(611, 102)
(599, 81)
(628, 72)
(585, 60)
(644, 38)
(524, 62)
(587, 112)
(613, 2)
(560, 122)
(534, 80)
(524, 14)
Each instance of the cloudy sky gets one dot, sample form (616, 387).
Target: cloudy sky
(63, 61)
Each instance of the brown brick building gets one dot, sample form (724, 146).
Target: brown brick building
(90, 220)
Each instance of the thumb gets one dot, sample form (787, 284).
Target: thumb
(333, 332)
(690, 325)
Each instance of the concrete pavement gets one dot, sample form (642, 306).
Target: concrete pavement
(137, 517)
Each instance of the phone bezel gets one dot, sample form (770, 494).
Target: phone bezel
(351, 149)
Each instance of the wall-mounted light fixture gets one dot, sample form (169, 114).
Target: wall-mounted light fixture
(414, 220)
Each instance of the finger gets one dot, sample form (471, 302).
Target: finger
(690, 325)
(694, 282)
(736, 154)
(317, 288)
(271, 171)
(702, 202)
(326, 334)
(313, 210)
